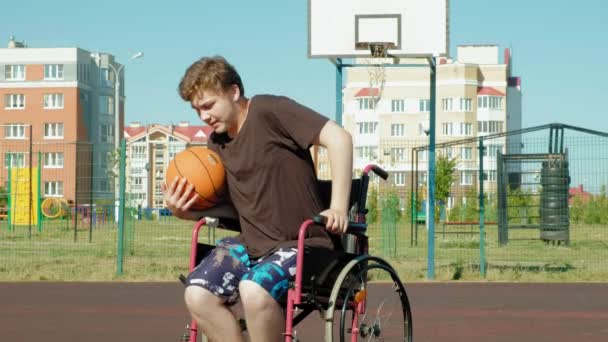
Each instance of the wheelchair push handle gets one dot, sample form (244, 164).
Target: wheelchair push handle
(353, 227)
(377, 170)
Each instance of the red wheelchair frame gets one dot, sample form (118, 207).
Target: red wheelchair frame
(354, 270)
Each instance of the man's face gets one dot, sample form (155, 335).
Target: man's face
(217, 109)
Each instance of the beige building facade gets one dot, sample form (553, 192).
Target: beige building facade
(476, 96)
(150, 148)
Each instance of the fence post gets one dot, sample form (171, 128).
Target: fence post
(9, 211)
(121, 208)
(482, 237)
(430, 217)
(39, 197)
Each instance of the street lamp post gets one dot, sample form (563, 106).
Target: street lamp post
(117, 119)
(117, 97)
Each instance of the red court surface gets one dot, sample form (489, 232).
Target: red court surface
(151, 312)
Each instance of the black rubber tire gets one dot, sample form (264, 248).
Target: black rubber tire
(399, 288)
(554, 180)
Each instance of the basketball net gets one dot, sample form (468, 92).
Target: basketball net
(377, 71)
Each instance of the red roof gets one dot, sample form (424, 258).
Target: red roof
(133, 131)
(193, 134)
(489, 91)
(367, 92)
(196, 133)
(580, 193)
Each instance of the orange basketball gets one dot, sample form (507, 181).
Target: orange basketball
(204, 170)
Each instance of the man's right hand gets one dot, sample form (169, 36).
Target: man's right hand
(180, 196)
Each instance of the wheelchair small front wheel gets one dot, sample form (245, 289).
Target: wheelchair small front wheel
(376, 311)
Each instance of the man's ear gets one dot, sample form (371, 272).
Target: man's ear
(236, 92)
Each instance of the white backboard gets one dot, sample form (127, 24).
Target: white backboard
(341, 28)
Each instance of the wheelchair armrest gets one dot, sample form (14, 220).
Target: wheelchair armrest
(354, 228)
(225, 213)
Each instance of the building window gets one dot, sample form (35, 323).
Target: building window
(137, 183)
(14, 131)
(14, 101)
(107, 77)
(490, 176)
(106, 105)
(447, 128)
(489, 102)
(367, 127)
(14, 159)
(489, 126)
(465, 104)
(422, 155)
(53, 101)
(367, 152)
(53, 160)
(466, 178)
(422, 177)
(466, 153)
(448, 152)
(398, 105)
(104, 185)
(397, 130)
(53, 130)
(399, 178)
(53, 71)
(138, 152)
(106, 133)
(491, 150)
(448, 104)
(398, 155)
(53, 189)
(366, 103)
(466, 128)
(83, 72)
(14, 72)
(424, 105)
(450, 203)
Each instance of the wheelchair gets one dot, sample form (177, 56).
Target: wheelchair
(334, 283)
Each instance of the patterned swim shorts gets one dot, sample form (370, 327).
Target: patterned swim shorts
(221, 271)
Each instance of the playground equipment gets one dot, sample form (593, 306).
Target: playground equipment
(24, 197)
(53, 207)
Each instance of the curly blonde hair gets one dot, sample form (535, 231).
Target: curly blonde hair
(209, 73)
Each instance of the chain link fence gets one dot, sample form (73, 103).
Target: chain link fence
(543, 213)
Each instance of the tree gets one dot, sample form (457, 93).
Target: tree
(372, 205)
(444, 179)
(444, 176)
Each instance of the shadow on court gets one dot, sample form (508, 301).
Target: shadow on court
(442, 312)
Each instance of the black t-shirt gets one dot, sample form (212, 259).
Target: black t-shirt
(270, 174)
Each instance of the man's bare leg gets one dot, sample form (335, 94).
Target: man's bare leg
(213, 317)
(264, 316)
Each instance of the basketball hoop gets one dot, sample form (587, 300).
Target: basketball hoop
(380, 49)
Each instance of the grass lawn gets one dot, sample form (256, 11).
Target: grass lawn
(157, 250)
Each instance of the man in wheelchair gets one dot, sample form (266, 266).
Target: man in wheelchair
(264, 144)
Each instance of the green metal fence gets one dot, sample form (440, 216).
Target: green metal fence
(543, 214)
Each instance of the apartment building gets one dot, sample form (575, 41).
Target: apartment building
(59, 103)
(476, 96)
(149, 150)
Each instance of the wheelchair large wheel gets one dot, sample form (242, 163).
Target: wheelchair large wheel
(387, 315)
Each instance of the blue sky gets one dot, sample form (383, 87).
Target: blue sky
(558, 47)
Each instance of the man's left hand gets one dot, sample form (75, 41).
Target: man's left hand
(337, 221)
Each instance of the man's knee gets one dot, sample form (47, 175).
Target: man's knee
(255, 297)
(200, 300)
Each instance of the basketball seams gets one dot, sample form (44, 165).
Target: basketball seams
(208, 173)
(196, 191)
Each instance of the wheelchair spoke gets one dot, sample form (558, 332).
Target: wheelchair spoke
(386, 313)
